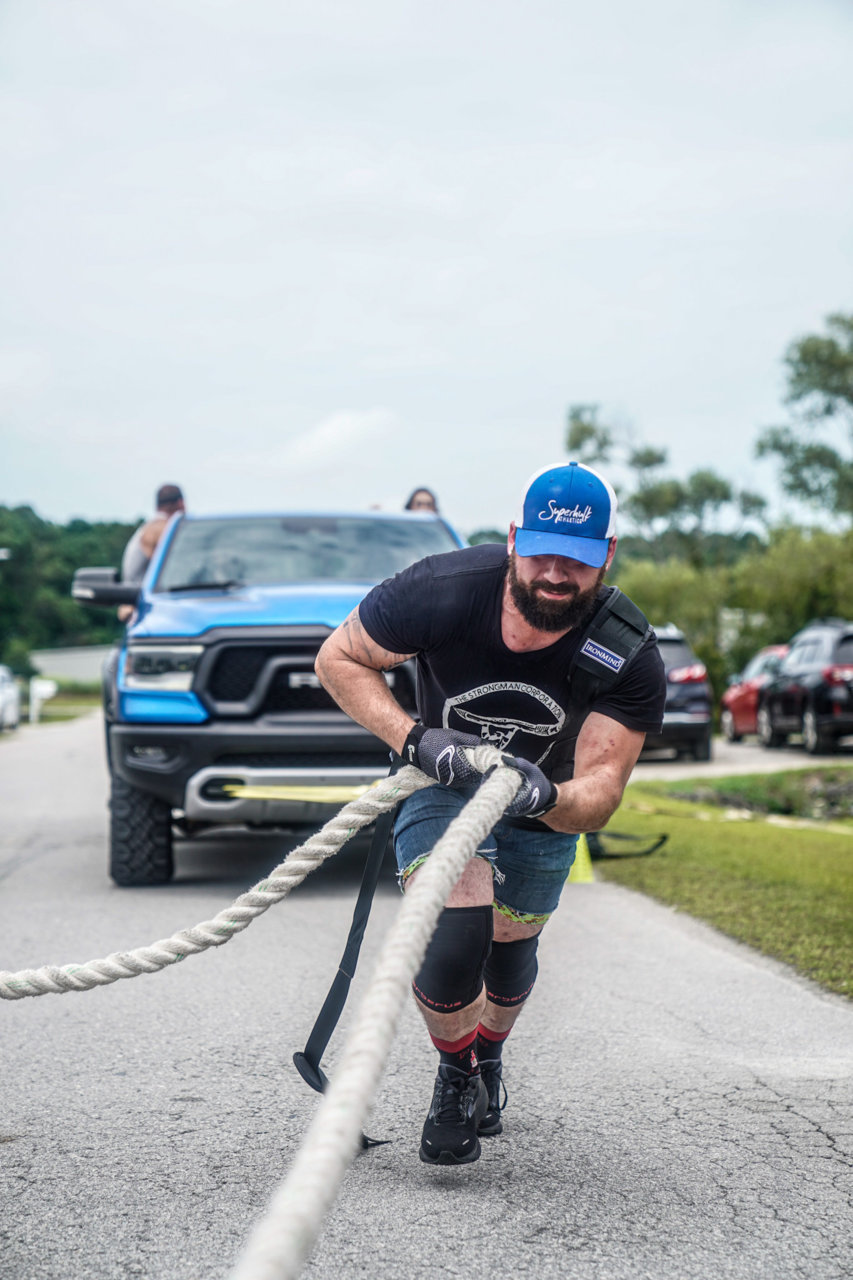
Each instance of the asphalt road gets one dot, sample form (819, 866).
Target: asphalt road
(679, 1107)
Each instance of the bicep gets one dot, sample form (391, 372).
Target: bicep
(351, 644)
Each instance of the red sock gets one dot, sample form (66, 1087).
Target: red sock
(460, 1054)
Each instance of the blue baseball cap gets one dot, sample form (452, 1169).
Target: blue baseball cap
(567, 510)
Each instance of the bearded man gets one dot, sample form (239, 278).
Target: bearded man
(500, 637)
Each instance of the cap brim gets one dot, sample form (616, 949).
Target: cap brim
(591, 551)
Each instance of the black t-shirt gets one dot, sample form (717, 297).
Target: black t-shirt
(447, 610)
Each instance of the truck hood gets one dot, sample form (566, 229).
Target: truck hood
(191, 614)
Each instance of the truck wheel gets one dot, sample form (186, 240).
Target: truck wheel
(702, 747)
(140, 836)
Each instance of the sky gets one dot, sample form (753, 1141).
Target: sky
(298, 255)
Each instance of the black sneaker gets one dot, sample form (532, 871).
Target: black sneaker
(491, 1123)
(458, 1106)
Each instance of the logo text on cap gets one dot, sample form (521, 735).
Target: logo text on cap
(565, 515)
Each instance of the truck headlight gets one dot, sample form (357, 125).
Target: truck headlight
(157, 667)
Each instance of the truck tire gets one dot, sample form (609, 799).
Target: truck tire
(702, 747)
(140, 836)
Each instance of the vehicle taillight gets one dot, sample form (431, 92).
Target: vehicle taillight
(839, 674)
(688, 675)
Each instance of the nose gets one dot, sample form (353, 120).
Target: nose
(557, 568)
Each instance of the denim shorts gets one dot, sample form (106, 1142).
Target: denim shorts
(530, 867)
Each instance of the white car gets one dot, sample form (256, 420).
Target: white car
(10, 700)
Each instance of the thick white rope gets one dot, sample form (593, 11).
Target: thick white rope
(284, 1238)
(299, 863)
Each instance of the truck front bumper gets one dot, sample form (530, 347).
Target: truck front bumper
(191, 768)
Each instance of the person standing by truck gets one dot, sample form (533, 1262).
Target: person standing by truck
(143, 542)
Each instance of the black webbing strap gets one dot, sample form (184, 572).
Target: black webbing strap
(307, 1062)
(613, 637)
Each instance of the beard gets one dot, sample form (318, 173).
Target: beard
(552, 615)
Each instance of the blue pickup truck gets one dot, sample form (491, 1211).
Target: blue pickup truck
(213, 688)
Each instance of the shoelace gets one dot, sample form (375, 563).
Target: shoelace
(449, 1099)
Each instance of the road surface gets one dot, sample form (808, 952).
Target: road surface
(679, 1107)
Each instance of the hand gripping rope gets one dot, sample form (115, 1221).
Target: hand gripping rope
(282, 1241)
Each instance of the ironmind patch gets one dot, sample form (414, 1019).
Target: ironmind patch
(606, 657)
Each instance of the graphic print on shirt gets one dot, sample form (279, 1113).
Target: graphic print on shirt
(509, 715)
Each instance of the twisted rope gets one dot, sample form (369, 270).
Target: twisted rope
(299, 863)
(282, 1241)
(284, 1238)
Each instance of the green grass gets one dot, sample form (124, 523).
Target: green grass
(785, 890)
(820, 792)
(67, 704)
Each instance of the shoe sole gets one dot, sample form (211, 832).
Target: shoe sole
(490, 1128)
(449, 1157)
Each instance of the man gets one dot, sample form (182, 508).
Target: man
(143, 542)
(499, 641)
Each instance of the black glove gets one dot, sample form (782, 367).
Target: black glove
(440, 753)
(536, 795)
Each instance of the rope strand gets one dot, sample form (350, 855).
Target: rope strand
(282, 1241)
(300, 862)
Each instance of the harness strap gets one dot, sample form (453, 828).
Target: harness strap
(615, 635)
(307, 1063)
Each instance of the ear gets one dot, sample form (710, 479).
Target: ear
(510, 542)
(610, 553)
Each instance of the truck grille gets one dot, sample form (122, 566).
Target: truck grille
(254, 680)
(236, 671)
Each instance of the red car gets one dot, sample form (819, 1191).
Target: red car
(740, 701)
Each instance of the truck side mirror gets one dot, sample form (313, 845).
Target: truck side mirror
(103, 587)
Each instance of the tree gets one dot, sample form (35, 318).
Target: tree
(820, 391)
(487, 535)
(671, 517)
(36, 608)
(588, 440)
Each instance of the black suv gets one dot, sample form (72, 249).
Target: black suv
(688, 712)
(812, 693)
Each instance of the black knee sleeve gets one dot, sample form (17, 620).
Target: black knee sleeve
(511, 971)
(451, 975)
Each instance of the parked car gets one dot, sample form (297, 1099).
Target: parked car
(739, 703)
(687, 717)
(10, 700)
(214, 685)
(812, 693)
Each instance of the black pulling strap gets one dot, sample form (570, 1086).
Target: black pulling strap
(307, 1063)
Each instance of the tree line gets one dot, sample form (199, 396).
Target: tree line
(38, 562)
(697, 552)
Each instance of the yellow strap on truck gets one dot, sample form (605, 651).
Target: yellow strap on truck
(321, 795)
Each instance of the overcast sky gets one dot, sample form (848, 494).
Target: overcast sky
(292, 254)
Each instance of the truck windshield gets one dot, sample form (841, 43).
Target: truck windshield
(282, 549)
